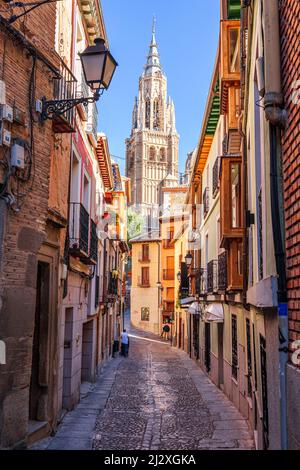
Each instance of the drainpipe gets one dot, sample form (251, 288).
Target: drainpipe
(277, 117)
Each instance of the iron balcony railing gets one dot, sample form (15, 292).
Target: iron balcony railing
(216, 176)
(79, 229)
(206, 201)
(168, 274)
(212, 277)
(113, 285)
(64, 89)
(201, 282)
(93, 242)
(222, 272)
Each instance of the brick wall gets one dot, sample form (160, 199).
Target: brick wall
(24, 229)
(290, 33)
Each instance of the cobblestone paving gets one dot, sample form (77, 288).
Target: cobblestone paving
(156, 399)
(160, 400)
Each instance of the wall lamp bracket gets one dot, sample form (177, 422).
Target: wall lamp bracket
(54, 108)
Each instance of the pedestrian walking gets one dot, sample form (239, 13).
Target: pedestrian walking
(165, 331)
(124, 344)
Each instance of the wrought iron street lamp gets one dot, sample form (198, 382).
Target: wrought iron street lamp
(98, 67)
(188, 259)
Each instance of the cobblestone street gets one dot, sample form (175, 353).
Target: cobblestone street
(157, 399)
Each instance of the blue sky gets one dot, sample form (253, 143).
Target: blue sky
(187, 35)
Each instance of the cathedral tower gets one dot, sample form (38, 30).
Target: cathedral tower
(152, 149)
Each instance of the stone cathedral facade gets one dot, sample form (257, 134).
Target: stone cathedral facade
(152, 149)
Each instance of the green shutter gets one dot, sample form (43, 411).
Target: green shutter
(234, 9)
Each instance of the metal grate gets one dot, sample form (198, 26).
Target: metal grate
(249, 357)
(263, 367)
(216, 177)
(64, 89)
(94, 242)
(207, 358)
(79, 229)
(222, 272)
(206, 201)
(212, 277)
(97, 292)
(234, 346)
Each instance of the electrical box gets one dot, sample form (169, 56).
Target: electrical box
(5, 135)
(19, 117)
(18, 156)
(6, 113)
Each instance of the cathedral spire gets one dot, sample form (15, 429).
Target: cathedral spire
(153, 61)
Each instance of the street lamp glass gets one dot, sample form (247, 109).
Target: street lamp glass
(188, 259)
(98, 65)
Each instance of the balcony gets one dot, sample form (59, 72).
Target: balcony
(168, 307)
(83, 235)
(169, 275)
(112, 285)
(212, 277)
(93, 243)
(232, 143)
(167, 244)
(222, 272)
(64, 89)
(79, 230)
(201, 282)
(206, 201)
(216, 177)
(144, 283)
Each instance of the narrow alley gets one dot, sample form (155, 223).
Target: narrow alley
(157, 399)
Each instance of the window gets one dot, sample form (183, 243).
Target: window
(156, 115)
(145, 253)
(148, 114)
(234, 50)
(235, 195)
(145, 277)
(234, 345)
(231, 200)
(162, 154)
(152, 154)
(145, 314)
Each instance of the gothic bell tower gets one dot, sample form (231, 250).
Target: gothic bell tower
(152, 149)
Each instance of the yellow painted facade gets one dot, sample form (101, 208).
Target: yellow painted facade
(145, 301)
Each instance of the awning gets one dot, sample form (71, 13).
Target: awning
(194, 309)
(214, 313)
(187, 302)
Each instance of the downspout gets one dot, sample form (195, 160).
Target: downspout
(277, 117)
